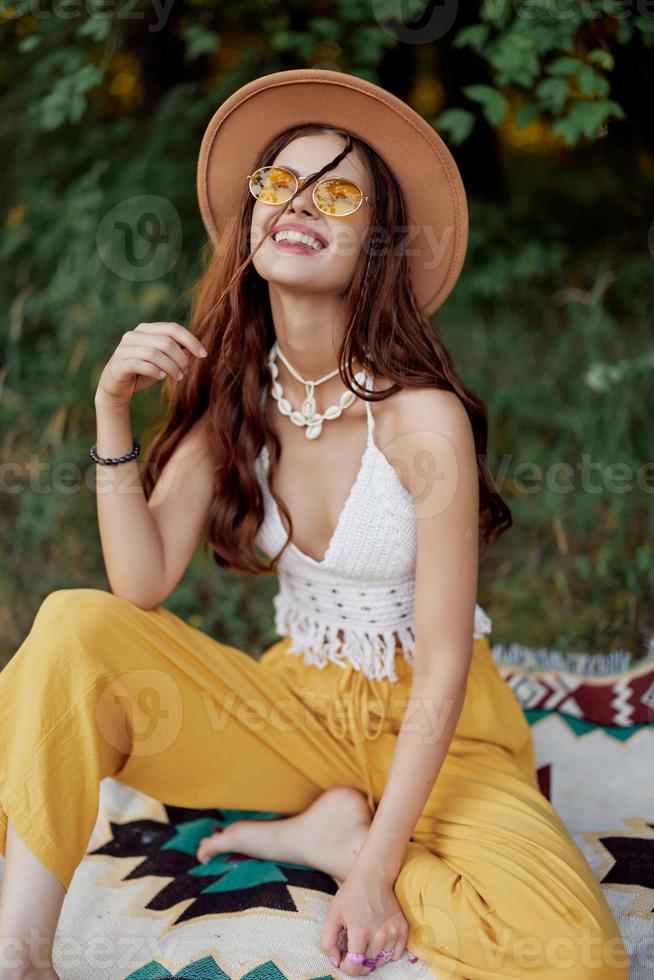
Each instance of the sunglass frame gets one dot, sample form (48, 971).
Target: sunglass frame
(276, 204)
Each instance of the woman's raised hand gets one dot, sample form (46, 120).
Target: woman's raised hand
(146, 355)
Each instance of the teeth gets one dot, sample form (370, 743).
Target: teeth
(297, 236)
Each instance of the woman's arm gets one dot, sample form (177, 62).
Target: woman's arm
(147, 545)
(366, 904)
(433, 446)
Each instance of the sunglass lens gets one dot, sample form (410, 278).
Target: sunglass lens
(338, 196)
(272, 185)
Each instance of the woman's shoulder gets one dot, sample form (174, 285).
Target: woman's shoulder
(413, 409)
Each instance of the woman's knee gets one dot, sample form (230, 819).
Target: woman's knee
(77, 607)
(62, 601)
(520, 934)
(72, 622)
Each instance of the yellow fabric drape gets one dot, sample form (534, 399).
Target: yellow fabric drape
(100, 687)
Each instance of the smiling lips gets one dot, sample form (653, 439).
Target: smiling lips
(297, 241)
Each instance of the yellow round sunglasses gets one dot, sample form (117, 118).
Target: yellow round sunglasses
(335, 196)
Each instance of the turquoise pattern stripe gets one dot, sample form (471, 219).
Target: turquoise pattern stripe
(207, 969)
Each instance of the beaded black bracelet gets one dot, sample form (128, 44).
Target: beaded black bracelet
(111, 461)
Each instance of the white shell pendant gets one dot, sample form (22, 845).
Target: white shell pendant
(347, 398)
(309, 407)
(313, 430)
(297, 418)
(284, 406)
(332, 412)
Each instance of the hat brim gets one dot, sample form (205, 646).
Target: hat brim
(424, 168)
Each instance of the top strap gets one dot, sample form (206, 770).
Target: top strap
(370, 384)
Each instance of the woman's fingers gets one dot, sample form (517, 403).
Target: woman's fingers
(382, 949)
(161, 342)
(176, 332)
(172, 365)
(329, 938)
(143, 355)
(388, 944)
(392, 936)
(399, 946)
(357, 944)
(172, 339)
(137, 366)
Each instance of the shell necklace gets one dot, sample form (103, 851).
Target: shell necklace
(307, 415)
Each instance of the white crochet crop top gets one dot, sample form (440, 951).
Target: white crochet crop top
(364, 587)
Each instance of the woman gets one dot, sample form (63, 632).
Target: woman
(378, 725)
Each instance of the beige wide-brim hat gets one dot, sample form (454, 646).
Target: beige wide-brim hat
(435, 199)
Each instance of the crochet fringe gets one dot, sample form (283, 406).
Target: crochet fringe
(320, 645)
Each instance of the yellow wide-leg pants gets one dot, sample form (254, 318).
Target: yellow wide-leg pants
(491, 885)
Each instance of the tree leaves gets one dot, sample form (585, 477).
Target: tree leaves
(539, 65)
(457, 123)
(494, 104)
(585, 119)
(199, 40)
(66, 101)
(474, 35)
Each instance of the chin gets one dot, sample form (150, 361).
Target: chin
(285, 273)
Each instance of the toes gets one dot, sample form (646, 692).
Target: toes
(209, 846)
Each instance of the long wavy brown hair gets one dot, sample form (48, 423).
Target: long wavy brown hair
(385, 332)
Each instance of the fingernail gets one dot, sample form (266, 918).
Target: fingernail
(203, 352)
(334, 960)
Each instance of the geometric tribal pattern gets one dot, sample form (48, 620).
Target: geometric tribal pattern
(621, 701)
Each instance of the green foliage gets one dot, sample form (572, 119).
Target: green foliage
(546, 55)
(493, 102)
(66, 101)
(200, 41)
(474, 35)
(586, 119)
(455, 124)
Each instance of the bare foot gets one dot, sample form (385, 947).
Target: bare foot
(326, 836)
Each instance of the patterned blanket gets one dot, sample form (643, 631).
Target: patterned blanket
(140, 907)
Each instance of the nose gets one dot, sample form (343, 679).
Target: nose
(304, 200)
